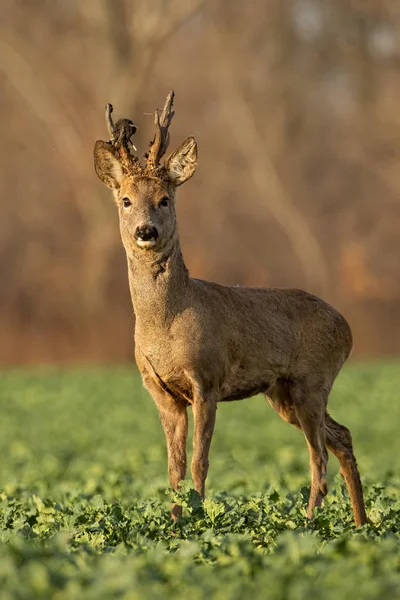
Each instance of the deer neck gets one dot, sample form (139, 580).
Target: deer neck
(158, 285)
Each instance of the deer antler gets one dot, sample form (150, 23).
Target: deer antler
(122, 148)
(120, 140)
(160, 142)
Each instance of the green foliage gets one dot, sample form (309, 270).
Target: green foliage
(84, 502)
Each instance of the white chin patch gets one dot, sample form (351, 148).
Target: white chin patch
(146, 244)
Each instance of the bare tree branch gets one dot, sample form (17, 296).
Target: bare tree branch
(260, 165)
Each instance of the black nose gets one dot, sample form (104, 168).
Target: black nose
(146, 233)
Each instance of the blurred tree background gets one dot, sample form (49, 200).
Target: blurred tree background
(295, 106)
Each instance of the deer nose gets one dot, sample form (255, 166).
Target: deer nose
(146, 233)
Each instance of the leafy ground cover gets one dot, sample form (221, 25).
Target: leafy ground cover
(84, 498)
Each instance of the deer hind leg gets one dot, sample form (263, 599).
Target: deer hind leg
(309, 408)
(339, 442)
(306, 412)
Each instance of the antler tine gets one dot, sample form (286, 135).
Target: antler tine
(109, 121)
(160, 143)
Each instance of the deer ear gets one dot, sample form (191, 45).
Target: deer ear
(182, 163)
(107, 165)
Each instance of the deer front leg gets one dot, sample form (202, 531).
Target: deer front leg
(173, 416)
(175, 425)
(204, 411)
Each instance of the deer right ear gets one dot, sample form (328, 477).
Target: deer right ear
(107, 165)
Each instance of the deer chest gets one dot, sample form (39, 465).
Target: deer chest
(173, 382)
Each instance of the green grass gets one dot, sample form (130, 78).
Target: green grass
(84, 502)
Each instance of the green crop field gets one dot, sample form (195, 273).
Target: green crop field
(84, 497)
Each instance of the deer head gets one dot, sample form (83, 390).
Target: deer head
(145, 195)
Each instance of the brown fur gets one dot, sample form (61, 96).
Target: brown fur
(199, 343)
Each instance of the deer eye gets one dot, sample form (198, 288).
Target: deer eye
(126, 202)
(164, 201)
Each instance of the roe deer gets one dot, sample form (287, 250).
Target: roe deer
(199, 343)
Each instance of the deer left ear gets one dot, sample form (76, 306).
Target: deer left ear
(182, 163)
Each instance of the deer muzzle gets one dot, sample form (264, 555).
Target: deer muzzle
(146, 236)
